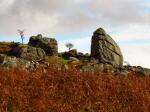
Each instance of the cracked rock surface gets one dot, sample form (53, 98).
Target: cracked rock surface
(105, 49)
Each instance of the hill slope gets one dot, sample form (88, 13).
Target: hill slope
(68, 90)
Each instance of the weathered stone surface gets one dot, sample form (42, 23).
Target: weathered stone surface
(71, 53)
(49, 45)
(29, 53)
(11, 62)
(105, 49)
(91, 65)
(136, 69)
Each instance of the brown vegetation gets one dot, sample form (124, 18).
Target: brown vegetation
(61, 90)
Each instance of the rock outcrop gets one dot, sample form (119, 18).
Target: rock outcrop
(29, 53)
(105, 55)
(11, 62)
(105, 49)
(93, 65)
(49, 45)
(71, 53)
(140, 71)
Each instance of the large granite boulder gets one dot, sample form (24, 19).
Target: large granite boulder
(29, 53)
(49, 45)
(105, 49)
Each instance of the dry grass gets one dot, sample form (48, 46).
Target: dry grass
(61, 90)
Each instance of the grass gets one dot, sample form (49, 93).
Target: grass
(68, 90)
(67, 61)
(58, 60)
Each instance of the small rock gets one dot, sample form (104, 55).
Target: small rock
(108, 68)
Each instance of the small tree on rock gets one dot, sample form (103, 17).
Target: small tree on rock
(69, 46)
(21, 32)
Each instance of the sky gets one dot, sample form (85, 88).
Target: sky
(127, 21)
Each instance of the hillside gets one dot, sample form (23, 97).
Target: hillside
(35, 77)
(68, 90)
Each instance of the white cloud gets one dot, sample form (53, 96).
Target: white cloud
(72, 16)
(137, 54)
(5, 5)
(132, 33)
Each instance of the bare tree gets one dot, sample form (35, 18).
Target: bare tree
(21, 32)
(69, 46)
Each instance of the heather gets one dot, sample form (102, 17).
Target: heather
(61, 89)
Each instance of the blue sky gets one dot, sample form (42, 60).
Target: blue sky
(128, 22)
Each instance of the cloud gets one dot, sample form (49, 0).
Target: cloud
(137, 54)
(132, 33)
(68, 16)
